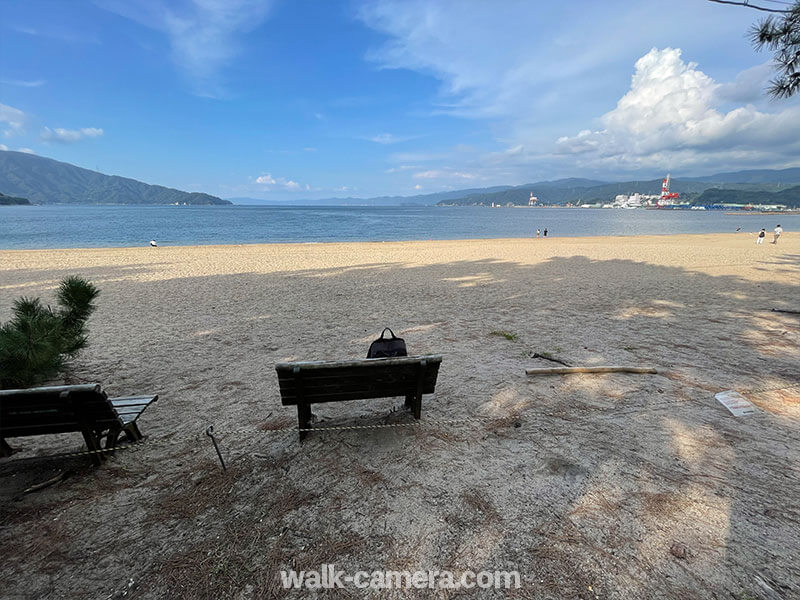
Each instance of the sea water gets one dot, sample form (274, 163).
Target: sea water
(105, 226)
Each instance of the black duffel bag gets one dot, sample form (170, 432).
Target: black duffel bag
(387, 347)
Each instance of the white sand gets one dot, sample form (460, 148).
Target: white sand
(603, 475)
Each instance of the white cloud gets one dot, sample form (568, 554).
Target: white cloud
(418, 187)
(13, 119)
(671, 116)
(411, 157)
(204, 34)
(266, 180)
(23, 83)
(55, 33)
(271, 183)
(443, 174)
(388, 138)
(69, 136)
(26, 150)
(3, 147)
(401, 168)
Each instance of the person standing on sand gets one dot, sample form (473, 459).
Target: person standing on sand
(761, 235)
(545, 232)
(777, 233)
(537, 233)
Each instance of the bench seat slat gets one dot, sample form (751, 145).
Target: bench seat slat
(132, 400)
(359, 363)
(53, 390)
(130, 410)
(373, 371)
(289, 395)
(27, 405)
(38, 429)
(355, 395)
(346, 378)
(403, 378)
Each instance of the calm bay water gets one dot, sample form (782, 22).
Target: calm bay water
(104, 226)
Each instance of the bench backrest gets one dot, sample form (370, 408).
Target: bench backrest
(332, 381)
(56, 409)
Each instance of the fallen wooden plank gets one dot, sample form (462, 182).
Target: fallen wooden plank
(567, 370)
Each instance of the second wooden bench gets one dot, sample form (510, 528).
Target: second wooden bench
(305, 383)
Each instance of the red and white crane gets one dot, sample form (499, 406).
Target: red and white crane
(666, 196)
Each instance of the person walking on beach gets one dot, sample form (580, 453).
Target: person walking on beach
(537, 233)
(777, 233)
(545, 232)
(761, 235)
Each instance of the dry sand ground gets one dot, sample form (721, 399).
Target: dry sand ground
(585, 498)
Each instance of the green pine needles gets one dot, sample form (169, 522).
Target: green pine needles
(37, 341)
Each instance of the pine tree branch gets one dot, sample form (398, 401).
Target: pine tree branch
(753, 6)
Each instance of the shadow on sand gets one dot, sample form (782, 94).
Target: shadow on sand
(604, 480)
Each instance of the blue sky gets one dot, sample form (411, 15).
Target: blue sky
(284, 100)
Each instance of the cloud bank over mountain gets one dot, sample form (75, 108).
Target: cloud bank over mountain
(672, 115)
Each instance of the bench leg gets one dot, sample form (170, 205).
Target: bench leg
(5, 449)
(414, 404)
(112, 437)
(303, 418)
(417, 401)
(93, 443)
(132, 432)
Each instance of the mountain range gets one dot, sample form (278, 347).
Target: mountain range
(47, 181)
(578, 190)
(690, 190)
(753, 176)
(788, 197)
(418, 200)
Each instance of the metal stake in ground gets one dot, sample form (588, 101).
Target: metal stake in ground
(210, 433)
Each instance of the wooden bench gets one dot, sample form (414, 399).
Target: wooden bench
(71, 408)
(306, 383)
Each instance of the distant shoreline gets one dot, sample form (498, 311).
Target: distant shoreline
(763, 212)
(730, 211)
(250, 246)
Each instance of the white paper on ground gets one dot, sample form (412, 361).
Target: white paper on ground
(736, 403)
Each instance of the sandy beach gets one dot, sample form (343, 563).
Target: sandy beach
(591, 486)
